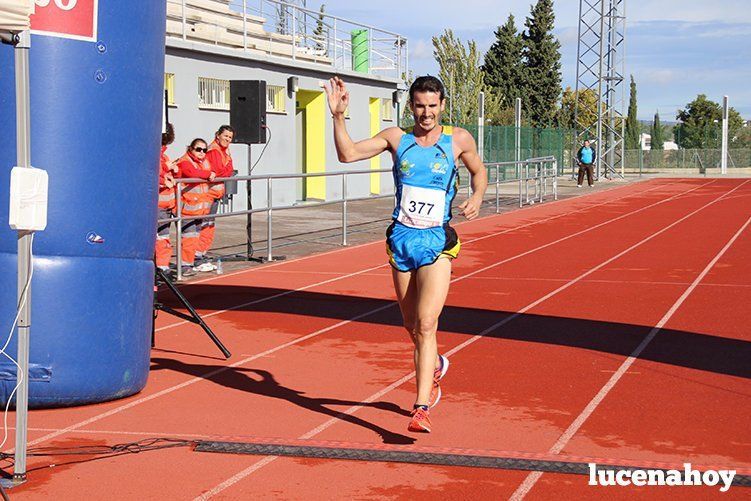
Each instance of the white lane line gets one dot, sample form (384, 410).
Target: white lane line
(275, 296)
(484, 218)
(502, 232)
(591, 281)
(533, 477)
(517, 314)
(203, 377)
(210, 374)
(609, 221)
(268, 459)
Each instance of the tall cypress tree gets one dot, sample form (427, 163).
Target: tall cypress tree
(632, 124)
(503, 63)
(658, 140)
(542, 63)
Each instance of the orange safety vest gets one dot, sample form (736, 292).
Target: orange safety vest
(217, 190)
(195, 197)
(166, 195)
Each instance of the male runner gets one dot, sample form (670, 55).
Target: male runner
(420, 242)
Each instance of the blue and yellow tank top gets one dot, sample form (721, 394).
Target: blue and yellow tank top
(425, 180)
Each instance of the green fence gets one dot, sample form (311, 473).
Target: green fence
(499, 143)
(700, 159)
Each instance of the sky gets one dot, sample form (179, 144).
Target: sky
(675, 49)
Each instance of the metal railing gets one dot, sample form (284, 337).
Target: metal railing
(280, 28)
(543, 170)
(536, 171)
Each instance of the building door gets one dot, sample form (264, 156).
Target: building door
(301, 168)
(312, 149)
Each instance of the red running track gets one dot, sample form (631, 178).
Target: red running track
(611, 327)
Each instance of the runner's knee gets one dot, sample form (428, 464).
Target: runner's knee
(426, 326)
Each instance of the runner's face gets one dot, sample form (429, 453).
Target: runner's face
(224, 139)
(427, 108)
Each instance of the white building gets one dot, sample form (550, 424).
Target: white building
(646, 142)
(210, 42)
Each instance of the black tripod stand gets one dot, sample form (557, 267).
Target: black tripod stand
(194, 317)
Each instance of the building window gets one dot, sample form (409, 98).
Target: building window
(213, 93)
(169, 86)
(387, 110)
(276, 101)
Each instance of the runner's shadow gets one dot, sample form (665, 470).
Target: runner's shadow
(261, 382)
(696, 350)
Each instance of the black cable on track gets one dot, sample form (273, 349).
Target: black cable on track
(472, 461)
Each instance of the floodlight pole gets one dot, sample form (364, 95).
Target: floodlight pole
(23, 158)
(724, 155)
(517, 130)
(452, 61)
(481, 125)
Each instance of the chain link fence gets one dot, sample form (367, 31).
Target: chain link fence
(697, 160)
(500, 140)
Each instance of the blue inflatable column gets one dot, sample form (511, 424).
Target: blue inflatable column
(96, 111)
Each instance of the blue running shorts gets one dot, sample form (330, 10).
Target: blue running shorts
(410, 248)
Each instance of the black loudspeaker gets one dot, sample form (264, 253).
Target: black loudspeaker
(247, 110)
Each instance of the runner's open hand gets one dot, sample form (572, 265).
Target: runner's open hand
(338, 95)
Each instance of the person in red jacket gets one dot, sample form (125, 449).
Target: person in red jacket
(195, 199)
(167, 168)
(220, 160)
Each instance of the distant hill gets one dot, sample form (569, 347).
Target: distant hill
(663, 122)
(646, 127)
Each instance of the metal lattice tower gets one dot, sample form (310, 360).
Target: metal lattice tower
(600, 93)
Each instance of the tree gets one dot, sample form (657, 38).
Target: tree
(461, 74)
(282, 16)
(542, 64)
(503, 64)
(633, 132)
(407, 117)
(319, 33)
(700, 124)
(587, 112)
(495, 112)
(657, 133)
(742, 138)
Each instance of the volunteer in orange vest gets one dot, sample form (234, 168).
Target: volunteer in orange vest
(163, 247)
(220, 160)
(195, 199)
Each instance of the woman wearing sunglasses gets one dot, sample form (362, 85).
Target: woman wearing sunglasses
(196, 200)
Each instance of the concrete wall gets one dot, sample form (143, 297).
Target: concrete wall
(190, 61)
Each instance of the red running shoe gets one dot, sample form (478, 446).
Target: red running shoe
(442, 368)
(435, 392)
(435, 395)
(420, 421)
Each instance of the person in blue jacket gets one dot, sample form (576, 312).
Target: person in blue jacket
(585, 158)
(420, 242)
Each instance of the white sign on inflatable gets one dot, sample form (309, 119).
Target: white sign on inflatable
(61, 4)
(75, 19)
